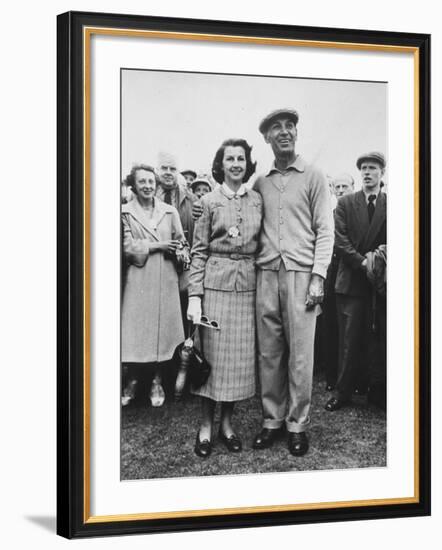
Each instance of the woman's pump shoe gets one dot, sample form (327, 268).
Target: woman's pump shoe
(157, 395)
(202, 448)
(233, 442)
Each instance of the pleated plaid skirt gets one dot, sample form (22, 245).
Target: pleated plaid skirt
(231, 350)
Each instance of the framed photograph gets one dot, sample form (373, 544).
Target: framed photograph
(228, 353)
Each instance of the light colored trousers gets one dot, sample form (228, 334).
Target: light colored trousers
(286, 333)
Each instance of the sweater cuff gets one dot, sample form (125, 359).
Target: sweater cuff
(195, 290)
(319, 269)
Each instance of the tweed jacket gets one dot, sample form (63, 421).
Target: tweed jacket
(151, 325)
(354, 237)
(222, 259)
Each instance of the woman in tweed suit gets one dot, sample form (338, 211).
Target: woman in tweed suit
(222, 285)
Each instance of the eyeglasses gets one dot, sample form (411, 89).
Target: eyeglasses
(206, 322)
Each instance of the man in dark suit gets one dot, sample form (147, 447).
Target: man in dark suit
(343, 184)
(360, 228)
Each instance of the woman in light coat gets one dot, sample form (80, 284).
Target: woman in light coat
(151, 323)
(222, 285)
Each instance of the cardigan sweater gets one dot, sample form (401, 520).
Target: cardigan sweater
(298, 219)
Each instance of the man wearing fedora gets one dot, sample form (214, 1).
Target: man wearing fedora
(360, 229)
(296, 245)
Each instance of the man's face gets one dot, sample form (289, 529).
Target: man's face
(282, 135)
(168, 174)
(342, 187)
(190, 178)
(371, 175)
(201, 189)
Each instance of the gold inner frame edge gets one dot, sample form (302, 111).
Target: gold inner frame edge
(87, 33)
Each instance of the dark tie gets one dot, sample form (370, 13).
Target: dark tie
(168, 196)
(370, 207)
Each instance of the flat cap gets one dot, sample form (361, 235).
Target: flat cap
(374, 156)
(201, 179)
(288, 113)
(191, 172)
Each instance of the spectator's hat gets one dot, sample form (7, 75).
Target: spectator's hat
(288, 113)
(373, 156)
(201, 179)
(190, 172)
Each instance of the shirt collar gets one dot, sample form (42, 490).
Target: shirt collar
(298, 164)
(162, 190)
(178, 193)
(368, 194)
(230, 194)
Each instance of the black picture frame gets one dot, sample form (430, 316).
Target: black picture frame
(73, 519)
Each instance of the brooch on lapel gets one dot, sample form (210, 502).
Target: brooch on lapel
(233, 231)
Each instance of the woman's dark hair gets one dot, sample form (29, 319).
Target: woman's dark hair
(217, 166)
(130, 178)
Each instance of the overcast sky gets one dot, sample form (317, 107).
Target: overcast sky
(190, 114)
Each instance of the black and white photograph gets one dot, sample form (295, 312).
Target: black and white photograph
(253, 274)
(196, 347)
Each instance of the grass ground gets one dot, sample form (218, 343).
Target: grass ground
(158, 443)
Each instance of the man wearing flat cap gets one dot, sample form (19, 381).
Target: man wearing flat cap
(360, 232)
(189, 176)
(296, 245)
(201, 186)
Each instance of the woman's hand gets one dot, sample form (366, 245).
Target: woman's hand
(168, 246)
(194, 310)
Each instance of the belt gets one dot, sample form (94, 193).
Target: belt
(233, 256)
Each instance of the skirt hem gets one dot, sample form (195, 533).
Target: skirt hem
(227, 399)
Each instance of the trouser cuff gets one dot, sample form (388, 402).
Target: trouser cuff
(272, 424)
(294, 427)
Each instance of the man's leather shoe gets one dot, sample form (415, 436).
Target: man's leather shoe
(233, 443)
(202, 448)
(298, 443)
(334, 404)
(266, 438)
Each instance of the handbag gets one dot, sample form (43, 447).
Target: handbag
(200, 369)
(193, 367)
